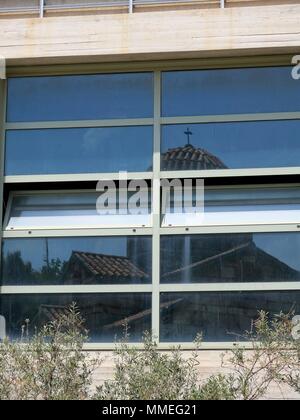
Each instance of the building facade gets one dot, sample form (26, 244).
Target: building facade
(190, 91)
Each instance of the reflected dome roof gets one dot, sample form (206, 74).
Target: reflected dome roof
(189, 158)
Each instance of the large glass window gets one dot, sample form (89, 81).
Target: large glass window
(106, 315)
(83, 97)
(208, 261)
(231, 258)
(78, 150)
(260, 144)
(219, 316)
(229, 91)
(76, 260)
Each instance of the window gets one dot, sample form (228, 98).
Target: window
(105, 314)
(229, 91)
(231, 258)
(169, 269)
(238, 206)
(78, 150)
(82, 97)
(230, 145)
(222, 316)
(67, 210)
(76, 260)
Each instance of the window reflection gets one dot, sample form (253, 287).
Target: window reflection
(87, 97)
(221, 258)
(105, 315)
(63, 261)
(78, 150)
(229, 91)
(261, 144)
(220, 316)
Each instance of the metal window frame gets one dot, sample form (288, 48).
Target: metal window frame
(156, 231)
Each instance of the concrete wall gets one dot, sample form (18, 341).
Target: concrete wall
(156, 35)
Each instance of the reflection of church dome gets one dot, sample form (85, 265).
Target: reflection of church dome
(189, 158)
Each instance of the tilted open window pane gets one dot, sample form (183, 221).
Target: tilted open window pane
(77, 260)
(105, 314)
(230, 145)
(79, 150)
(80, 97)
(229, 91)
(237, 206)
(77, 210)
(231, 258)
(220, 316)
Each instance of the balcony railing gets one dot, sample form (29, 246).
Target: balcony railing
(42, 7)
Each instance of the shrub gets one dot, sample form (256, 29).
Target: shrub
(49, 366)
(150, 374)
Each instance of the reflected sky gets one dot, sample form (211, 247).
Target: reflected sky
(78, 150)
(88, 97)
(229, 91)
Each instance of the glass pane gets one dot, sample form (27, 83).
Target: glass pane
(105, 315)
(78, 150)
(230, 258)
(77, 260)
(240, 206)
(261, 144)
(88, 97)
(220, 316)
(73, 210)
(229, 91)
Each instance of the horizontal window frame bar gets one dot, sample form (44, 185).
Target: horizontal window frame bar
(169, 346)
(148, 231)
(114, 176)
(76, 289)
(197, 119)
(230, 173)
(102, 232)
(270, 60)
(229, 287)
(206, 230)
(213, 173)
(206, 119)
(147, 288)
(106, 123)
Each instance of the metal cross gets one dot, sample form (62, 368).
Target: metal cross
(188, 133)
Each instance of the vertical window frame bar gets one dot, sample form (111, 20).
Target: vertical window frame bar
(156, 208)
(3, 98)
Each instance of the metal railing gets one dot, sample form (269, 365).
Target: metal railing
(42, 6)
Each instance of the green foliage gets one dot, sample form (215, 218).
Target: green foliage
(150, 374)
(216, 388)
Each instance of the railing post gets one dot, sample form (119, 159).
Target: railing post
(42, 3)
(222, 4)
(130, 6)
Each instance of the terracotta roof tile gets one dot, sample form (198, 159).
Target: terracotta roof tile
(189, 157)
(108, 265)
